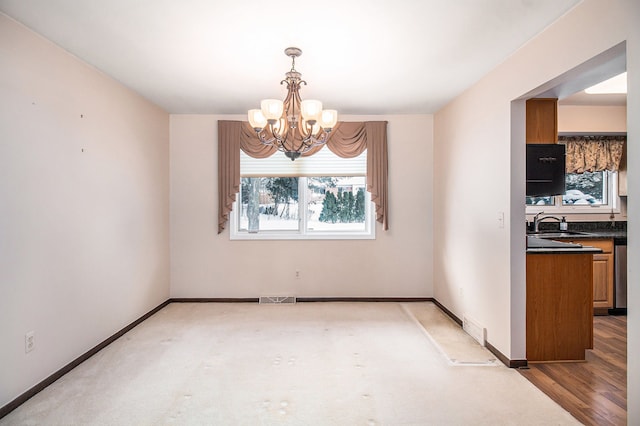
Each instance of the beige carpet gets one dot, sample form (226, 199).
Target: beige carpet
(303, 364)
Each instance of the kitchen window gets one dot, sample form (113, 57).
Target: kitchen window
(592, 184)
(588, 192)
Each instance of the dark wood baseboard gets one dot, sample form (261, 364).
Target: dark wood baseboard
(6, 409)
(213, 300)
(299, 299)
(448, 312)
(511, 363)
(618, 311)
(364, 299)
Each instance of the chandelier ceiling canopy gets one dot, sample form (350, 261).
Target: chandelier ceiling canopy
(293, 126)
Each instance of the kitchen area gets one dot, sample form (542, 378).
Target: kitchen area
(576, 254)
(572, 275)
(571, 137)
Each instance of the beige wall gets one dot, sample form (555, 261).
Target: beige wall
(396, 264)
(474, 137)
(632, 15)
(481, 135)
(592, 119)
(84, 210)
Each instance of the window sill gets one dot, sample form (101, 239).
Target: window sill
(244, 236)
(569, 210)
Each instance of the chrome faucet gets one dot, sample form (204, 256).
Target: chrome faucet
(537, 219)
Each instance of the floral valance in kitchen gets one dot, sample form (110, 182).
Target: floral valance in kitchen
(593, 153)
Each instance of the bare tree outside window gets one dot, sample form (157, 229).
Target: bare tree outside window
(328, 203)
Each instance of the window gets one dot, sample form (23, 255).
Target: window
(589, 192)
(280, 199)
(585, 189)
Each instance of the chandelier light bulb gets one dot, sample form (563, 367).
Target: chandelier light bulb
(272, 109)
(328, 118)
(257, 119)
(311, 110)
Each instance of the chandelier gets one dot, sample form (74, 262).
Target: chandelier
(293, 126)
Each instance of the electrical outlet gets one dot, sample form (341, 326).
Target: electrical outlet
(29, 341)
(297, 274)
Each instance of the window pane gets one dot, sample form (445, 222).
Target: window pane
(303, 207)
(540, 201)
(269, 204)
(336, 203)
(585, 189)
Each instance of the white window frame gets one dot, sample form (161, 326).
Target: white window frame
(613, 202)
(323, 163)
(303, 233)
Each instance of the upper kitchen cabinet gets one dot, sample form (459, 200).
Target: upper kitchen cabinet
(542, 120)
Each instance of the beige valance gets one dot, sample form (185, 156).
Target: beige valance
(347, 140)
(593, 153)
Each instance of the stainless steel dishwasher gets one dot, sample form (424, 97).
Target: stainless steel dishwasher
(620, 290)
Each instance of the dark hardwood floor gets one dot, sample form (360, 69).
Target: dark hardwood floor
(594, 392)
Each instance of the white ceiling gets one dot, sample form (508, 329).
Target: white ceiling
(582, 98)
(359, 56)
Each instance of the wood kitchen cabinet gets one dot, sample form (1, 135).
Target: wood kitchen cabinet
(559, 307)
(603, 272)
(542, 120)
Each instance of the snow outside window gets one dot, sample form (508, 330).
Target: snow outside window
(290, 200)
(589, 192)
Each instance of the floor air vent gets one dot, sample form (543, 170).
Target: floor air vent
(474, 329)
(273, 300)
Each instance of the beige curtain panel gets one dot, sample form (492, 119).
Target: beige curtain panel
(593, 153)
(347, 140)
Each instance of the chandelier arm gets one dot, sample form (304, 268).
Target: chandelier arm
(289, 79)
(320, 140)
(292, 144)
(292, 114)
(303, 133)
(265, 139)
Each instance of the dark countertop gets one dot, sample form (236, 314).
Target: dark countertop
(619, 237)
(591, 230)
(538, 245)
